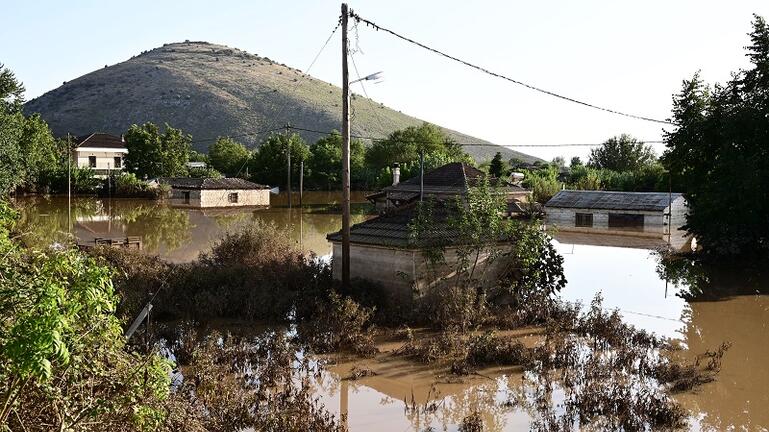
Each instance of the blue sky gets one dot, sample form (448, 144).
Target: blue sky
(629, 56)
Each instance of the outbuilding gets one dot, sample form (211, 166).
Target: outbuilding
(216, 193)
(647, 214)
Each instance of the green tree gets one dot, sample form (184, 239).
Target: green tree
(405, 145)
(228, 156)
(497, 166)
(559, 161)
(575, 162)
(325, 162)
(268, 165)
(152, 154)
(718, 155)
(622, 153)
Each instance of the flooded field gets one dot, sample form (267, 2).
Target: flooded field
(406, 396)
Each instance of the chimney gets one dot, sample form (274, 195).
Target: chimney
(396, 174)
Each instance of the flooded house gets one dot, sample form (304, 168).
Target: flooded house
(386, 251)
(445, 182)
(216, 193)
(647, 214)
(99, 151)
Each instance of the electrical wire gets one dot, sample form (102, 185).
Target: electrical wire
(358, 18)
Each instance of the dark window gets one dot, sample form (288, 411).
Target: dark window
(233, 197)
(626, 221)
(583, 219)
(186, 197)
(118, 162)
(92, 161)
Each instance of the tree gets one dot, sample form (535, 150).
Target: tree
(405, 145)
(152, 154)
(622, 153)
(228, 156)
(559, 161)
(268, 165)
(718, 155)
(497, 166)
(325, 162)
(11, 91)
(575, 162)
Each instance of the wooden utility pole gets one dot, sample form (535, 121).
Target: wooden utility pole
(345, 154)
(288, 160)
(69, 184)
(421, 176)
(301, 182)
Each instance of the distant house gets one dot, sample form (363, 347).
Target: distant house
(99, 151)
(383, 249)
(445, 182)
(649, 214)
(215, 193)
(196, 165)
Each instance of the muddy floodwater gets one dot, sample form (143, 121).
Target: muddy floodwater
(623, 270)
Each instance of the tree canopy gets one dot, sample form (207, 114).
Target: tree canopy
(405, 145)
(622, 153)
(326, 162)
(718, 154)
(268, 165)
(228, 156)
(497, 167)
(152, 154)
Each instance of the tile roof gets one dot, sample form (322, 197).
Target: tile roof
(610, 200)
(100, 140)
(452, 177)
(209, 183)
(393, 229)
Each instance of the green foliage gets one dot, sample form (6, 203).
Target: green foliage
(325, 163)
(207, 172)
(268, 165)
(63, 363)
(11, 91)
(718, 153)
(543, 183)
(622, 153)
(648, 178)
(497, 167)
(228, 156)
(575, 162)
(404, 146)
(152, 154)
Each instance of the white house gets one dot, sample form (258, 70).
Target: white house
(101, 152)
(647, 214)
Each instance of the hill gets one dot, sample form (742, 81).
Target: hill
(211, 90)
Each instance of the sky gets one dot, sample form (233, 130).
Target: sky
(626, 56)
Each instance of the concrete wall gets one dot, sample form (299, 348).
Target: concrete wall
(217, 198)
(655, 223)
(402, 269)
(104, 159)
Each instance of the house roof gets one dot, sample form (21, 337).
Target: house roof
(209, 183)
(610, 200)
(101, 140)
(394, 229)
(451, 178)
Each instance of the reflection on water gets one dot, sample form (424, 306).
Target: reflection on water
(178, 234)
(716, 308)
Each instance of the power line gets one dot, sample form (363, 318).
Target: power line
(472, 144)
(501, 76)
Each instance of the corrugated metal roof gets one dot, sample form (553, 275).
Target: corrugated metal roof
(611, 200)
(209, 183)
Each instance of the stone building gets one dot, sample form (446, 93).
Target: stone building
(99, 151)
(648, 214)
(386, 251)
(216, 193)
(445, 182)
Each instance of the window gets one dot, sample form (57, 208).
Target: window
(233, 197)
(118, 162)
(186, 197)
(626, 221)
(92, 161)
(583, 219)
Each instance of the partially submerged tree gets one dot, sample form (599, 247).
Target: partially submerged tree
(269, 164)
(718, 154)
(228, 156)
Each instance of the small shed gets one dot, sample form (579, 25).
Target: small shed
(648, 214)
(383, 249)
(216, 193)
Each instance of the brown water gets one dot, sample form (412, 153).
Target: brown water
(622, 269)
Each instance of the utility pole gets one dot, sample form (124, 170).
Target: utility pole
(301, 182)
(421, 176)
(288, 159)
(345, 154)
(69, 184)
